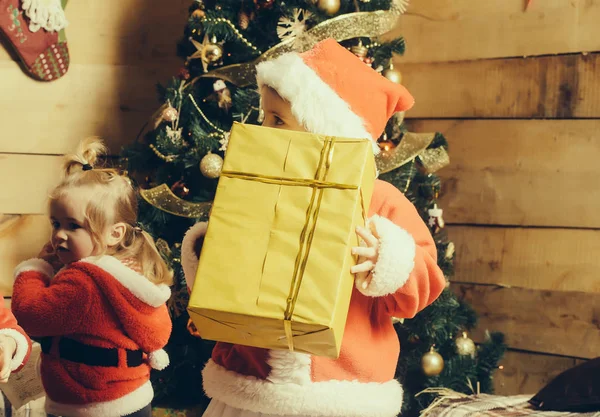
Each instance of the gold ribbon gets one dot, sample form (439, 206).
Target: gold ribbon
(411, 146)
(163, 198)
(341, 28)
(294, 182)
(318, 185)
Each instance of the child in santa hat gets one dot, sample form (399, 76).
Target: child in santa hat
(102, 318)
(15, 345)
(329, 91)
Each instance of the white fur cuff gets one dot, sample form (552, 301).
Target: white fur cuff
(159, 359)
(189, 259)
(396, 260)
(35, 264)
(22, 348)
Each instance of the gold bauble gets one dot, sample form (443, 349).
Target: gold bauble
(393, 75)
(211, 165)
(198, 14)
(213, 53)
(330, 7)
(465, 346)
(169, 114)
(432, 363)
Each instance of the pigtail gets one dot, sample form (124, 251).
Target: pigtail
(85, 157)
(153, 264)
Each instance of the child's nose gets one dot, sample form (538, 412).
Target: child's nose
(60, 235)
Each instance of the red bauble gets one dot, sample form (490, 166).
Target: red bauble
(183, 74)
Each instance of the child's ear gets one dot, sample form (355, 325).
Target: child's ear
(116, 234)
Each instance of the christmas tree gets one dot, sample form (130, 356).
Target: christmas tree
(178, 157)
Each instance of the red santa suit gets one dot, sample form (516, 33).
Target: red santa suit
(332, 92)
(104, 326)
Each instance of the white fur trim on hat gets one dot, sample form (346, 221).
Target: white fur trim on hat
(396, 260)
(151, 294)
(127, 404)
(189, 259)
(159, 359)
(34, 264)
(313, 102)
(22, 348)
(327, 398)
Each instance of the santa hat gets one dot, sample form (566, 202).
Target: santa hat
(332, 92)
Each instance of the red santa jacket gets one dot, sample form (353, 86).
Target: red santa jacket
(9, 327)
(104, 327)
(360, 383)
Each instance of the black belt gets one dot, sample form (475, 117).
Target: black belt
(74, 351)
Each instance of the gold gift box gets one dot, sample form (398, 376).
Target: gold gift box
(274, 271)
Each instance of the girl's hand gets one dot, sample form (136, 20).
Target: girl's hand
(47, 254)
(8, 346)
(367, 256)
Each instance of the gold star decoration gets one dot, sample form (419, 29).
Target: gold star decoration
(209, 51)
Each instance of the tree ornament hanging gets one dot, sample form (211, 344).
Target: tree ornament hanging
(211, 165)
(183, 74)
(210, 52)
(294, 27)
(264, 4)
(169, 114)
(330, 7)
(224, 141)
(214, 51)
(435, 217)
(432, 363)
(393, 75)
(174, 135)
(465, 346)
(199, 14)
(224, 100)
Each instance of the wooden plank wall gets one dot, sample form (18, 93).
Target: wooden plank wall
(119, 50)
(517, 94)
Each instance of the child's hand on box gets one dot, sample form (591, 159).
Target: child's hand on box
(367, 255)
(8, 346)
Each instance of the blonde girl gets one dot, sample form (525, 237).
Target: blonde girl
(102, 317)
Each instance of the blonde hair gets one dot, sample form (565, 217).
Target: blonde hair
(111, 199)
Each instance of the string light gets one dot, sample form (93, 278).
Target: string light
(211, 124)
(166, 158)
(236, 31)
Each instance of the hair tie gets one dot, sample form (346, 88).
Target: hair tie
(137, 228)
(87, 167)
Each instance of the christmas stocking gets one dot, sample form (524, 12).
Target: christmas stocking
(35, 30)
